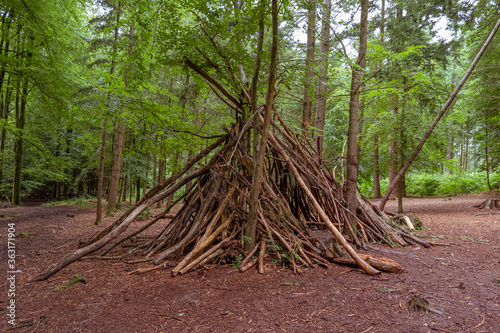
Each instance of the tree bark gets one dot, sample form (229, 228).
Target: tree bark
(354, 112)
(255, 81)
(486, 152)
(115, 175)
(5, 116)
(309, 75)
(402, 147)
(100, 181)
(319, 118)
(376, 173)
(161, 174)
(376, 168)
(440, 114)
(102, 157)
(393, 148)
(258, 163)
(22, 95)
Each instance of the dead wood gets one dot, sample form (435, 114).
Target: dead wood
(296, 187)
(489, 204)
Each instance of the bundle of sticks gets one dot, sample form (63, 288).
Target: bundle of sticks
(299, 196)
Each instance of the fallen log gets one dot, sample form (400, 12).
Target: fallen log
(380, 263)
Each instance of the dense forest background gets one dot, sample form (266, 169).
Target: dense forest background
(100, 99)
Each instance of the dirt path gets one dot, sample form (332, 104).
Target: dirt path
(461, 280)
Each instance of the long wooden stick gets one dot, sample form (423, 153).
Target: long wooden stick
(438, 117)
(361, 263)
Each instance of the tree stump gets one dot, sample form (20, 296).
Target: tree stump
(489, 204)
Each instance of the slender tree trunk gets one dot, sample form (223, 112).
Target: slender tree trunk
(5, 117)
(138, 192)
(466, 155)
(155, 165)
(449, 152)
(309, 75)
(319, 118)
(4, 45)
(258, 165)
(102, 157)
(115, 175)
(462, 150)
(255, 81)
(402, 147)
(57, 190)
(376, 173)
(120, 190)
(486, 152)
(354, 112)
(440, 114)
(161, 175)
(100, 181)
(125, 184)
(376, 168)
(393, 148)
(22, 95)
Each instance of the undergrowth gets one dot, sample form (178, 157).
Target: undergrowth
(431, 184)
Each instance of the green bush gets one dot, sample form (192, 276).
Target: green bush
(445, 184)
(423, 184)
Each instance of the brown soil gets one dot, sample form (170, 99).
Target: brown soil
(460, 281)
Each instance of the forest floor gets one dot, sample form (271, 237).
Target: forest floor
(460, 280)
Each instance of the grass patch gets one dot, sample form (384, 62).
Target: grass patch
(80, 202)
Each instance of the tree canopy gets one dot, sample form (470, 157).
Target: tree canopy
(161, 76)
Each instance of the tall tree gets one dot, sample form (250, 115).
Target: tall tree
(258, 163)
(309, 73)
(115, 175)
(102, 155)
(319, 118)
(355, 111)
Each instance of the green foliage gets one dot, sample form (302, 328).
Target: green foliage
(424, 184)
(83, 202)
(236, 263)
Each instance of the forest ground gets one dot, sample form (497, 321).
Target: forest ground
(461, 280)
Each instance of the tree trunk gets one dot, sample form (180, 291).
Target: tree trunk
(486, 152)
(125, 184)
(309, 75)
(376, 174)
(319, 118)
(254, 85)
(440, 115)
(138, 192)
(100, 181)
(161, 174)
(22, 95)
(393, 148)
(376, 169)
(102, 157)
(115, 176)
(5, 117)
(402, 147)
(354, 112)
(258, 162)
(449, 152)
